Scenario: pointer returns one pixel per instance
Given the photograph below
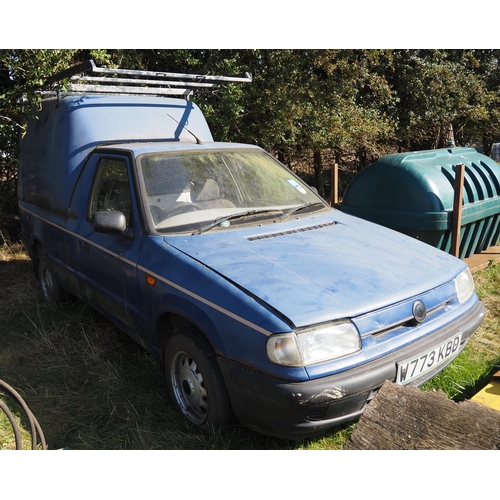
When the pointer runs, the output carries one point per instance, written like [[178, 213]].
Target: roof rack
[[87, 78]]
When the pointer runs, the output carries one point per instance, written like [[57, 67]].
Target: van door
[[108, 261]]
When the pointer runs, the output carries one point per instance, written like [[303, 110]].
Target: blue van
[[264, 303]]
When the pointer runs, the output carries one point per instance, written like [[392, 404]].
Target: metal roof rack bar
[[163, 74], [192, 85], [123, 89], [142, 82]]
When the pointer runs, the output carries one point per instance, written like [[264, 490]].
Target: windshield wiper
[[299, 208], [238, 215]]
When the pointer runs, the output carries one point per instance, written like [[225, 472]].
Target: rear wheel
[[49, 285], [195, 382]]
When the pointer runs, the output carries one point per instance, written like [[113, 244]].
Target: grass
[[473, 368], [91, 387]]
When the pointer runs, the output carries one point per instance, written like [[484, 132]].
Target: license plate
[[413, 368]]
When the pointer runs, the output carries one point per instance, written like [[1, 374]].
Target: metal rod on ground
[[335, 185], [457, 210]]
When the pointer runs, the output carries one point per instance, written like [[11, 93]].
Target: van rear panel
[[59, 141]]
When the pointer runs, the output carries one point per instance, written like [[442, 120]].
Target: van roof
[[139, 148]]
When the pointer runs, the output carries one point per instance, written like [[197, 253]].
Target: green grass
[[91, 387]]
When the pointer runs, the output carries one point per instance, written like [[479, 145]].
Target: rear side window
[[111, 188]]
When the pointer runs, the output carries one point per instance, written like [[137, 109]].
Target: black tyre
[[194, 381], [49, 285]]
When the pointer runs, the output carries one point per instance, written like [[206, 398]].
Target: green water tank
[[413, 193]]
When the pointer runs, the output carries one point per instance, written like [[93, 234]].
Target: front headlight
[[314, 345], [464, 285]]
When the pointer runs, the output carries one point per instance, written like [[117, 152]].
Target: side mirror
[[109, 222]]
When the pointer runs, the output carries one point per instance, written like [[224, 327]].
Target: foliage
[[22, 76], [439, 88], [309, 107]]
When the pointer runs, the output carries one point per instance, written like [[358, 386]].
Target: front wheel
[[194, 381]]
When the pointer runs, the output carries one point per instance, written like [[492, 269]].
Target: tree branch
[[12, 121]]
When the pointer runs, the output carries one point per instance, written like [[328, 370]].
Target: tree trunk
[[362, 161], [487, 145], [448, 136], [318, 168]]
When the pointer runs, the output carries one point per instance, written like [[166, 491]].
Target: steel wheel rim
[[189, 387]]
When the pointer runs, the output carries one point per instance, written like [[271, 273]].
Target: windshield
[[222, 188]]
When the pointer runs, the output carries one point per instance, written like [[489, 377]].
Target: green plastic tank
[[413, 193]]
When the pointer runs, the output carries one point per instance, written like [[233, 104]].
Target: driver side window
[[111, 189]]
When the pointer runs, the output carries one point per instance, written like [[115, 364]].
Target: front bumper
[[298, 410]]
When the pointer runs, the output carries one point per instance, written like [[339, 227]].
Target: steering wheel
[[157, 213], [180, 207]]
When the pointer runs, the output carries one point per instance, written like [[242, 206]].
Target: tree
[[484, 126], [22, 76], [302, 102], [436, 89], [22, 72]]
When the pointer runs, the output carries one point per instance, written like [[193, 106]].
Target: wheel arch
[[182, 314]]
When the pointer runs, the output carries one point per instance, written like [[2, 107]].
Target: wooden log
[[406, 418]]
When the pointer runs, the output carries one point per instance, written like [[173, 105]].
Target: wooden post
[[334, 185], [457, 210]]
